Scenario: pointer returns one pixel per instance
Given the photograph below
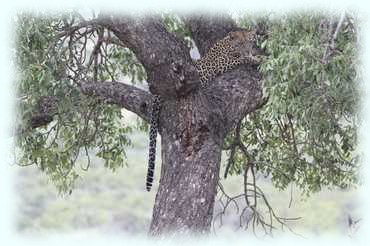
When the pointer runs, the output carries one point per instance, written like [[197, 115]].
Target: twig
[[331, 43]]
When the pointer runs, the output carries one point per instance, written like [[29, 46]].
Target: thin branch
[[233, 147], [68, 31], [330, 47], [339, 25], [256, 218], [291, 195], [293, 137]]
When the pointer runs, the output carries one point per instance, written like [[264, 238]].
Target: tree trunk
[[193, 129], [191, 156]]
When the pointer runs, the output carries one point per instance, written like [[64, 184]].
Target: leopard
[[236, 48]]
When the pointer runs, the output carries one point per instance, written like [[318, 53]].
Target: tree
[[292, 119]]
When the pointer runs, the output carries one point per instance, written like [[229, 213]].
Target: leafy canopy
[[305, 133]]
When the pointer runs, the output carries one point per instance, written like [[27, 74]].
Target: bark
[[190, 167], [191, 154], [206, 30], [127, 96], [45, 112], [166, 58]]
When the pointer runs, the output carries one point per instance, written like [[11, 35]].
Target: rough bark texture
[[191, 150], [166, 59], [203, 35], [127, 96], [190, 167], [193, 123]]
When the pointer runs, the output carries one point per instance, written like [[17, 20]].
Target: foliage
[[175, 25], [45, 67], [306, 132]]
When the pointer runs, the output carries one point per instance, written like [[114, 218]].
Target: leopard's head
[[244, 43]]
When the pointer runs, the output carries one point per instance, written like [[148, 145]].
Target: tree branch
[[165, 57], [207, 30], [339, 25], [127, 96], [47, 108], [330, 46]]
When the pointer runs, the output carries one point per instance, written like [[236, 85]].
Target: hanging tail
[[153, 131]]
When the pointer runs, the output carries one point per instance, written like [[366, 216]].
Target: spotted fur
[[153, 131], [236, 48]]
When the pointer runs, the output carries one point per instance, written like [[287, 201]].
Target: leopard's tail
[[153, 131]]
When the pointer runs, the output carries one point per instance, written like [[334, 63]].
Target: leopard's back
[[236, 48]]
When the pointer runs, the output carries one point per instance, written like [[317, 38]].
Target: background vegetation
[[115, 202]]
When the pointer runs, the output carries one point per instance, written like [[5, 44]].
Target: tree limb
[[207, 30], [165, 57], [339, 25], [127, 96], [330, 46]]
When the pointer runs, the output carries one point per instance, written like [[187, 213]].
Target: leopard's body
[[236, 48]]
